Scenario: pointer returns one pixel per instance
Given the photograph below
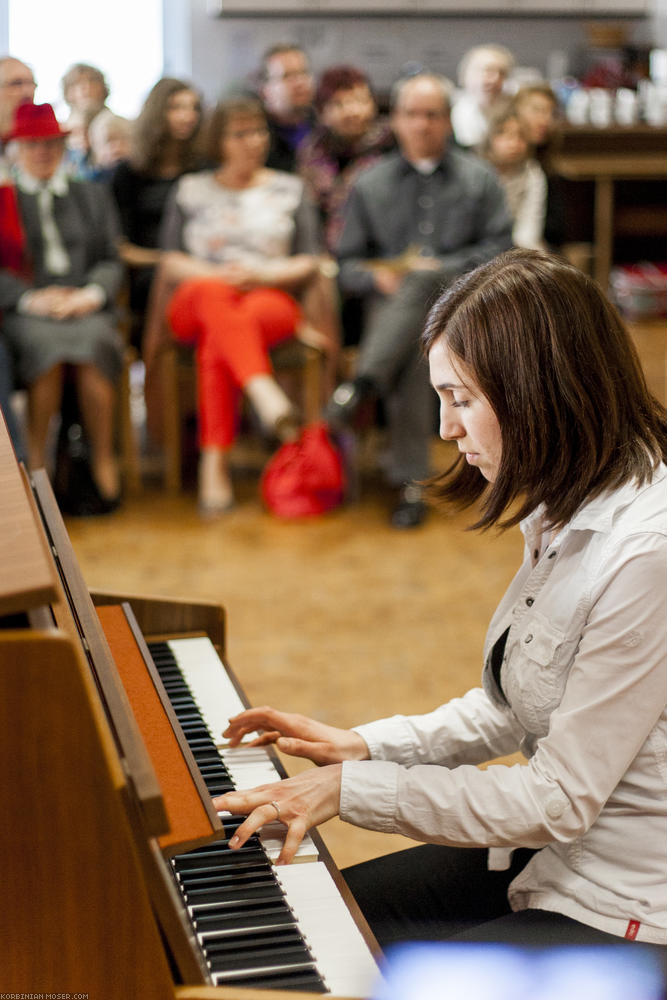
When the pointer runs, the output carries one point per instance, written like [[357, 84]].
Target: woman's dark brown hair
[[553, 358], [241, 106], [150, 134]]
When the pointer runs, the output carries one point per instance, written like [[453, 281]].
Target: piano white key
[[341, 954], [213, 691]]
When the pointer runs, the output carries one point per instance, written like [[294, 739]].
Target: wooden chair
[[298, 365]]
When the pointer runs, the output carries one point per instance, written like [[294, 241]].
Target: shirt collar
[[57, 185], [409, 168], [600, 512]]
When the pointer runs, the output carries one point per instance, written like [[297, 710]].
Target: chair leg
[[312, 385], [171, 416]]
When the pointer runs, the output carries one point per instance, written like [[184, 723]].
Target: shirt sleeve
[[307, 235], [528, 228], [493, 231], [173, 220], [615, 694], [354, 247]]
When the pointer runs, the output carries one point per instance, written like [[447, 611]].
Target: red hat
[[35, 121]]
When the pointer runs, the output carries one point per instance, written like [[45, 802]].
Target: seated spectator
[[17, 86], [286, 89], [348, 138], [539, 112], [507, 149], [414, 222], [482, 74], [109, 138], [60, 276], [85, 91], [164, 146], [244, 242]]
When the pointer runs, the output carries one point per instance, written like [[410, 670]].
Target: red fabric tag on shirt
[[631, 930]]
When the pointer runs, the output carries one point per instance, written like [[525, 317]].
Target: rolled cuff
[[369, 794]]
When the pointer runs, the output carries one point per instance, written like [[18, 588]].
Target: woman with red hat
[[59, 275]]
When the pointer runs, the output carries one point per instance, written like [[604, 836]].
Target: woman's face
[[485, 76], [245, 142], [508, 146], [86, 93], [183, 114], [40, 158], [348, 113], [466, 415], [538, 117]]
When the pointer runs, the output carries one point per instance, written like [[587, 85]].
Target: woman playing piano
[[542, 392]]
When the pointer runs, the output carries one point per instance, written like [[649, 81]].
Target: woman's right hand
[[297, 735]]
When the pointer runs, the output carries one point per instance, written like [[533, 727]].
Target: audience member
[[286, 90], [482, 74], [164, 146], [348, 138], [414, 221], [85, 91], [109, 139], [507, 149], [244, 242], [539, 112], [17, 86], [60, 276]]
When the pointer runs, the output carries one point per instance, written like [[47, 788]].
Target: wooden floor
[[340, 617]]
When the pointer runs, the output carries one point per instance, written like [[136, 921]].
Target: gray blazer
[[88, 224]]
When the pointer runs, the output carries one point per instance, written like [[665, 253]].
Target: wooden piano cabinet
[[76, 916]]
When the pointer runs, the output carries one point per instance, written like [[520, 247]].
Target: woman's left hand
[[301, 802]]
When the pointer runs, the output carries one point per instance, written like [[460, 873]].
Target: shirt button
[[555, 808], [536, 554], [425, 201], [425, 227], [529, 637], [552, 555], [530, 601]]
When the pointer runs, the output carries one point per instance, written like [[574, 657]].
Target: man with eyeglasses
[[17, 86], [286, 90]]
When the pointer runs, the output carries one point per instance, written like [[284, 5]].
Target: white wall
[[226, 50]]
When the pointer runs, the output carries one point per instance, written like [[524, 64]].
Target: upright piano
[[117, 879]]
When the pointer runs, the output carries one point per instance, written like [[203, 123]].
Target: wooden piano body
[[87, 826]]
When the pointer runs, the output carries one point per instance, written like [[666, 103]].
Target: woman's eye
[[459, 402]]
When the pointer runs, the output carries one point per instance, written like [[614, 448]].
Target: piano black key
[[231, 879], [259, 940], [265, 893], [289, 957], [243, 922], [304, 980]]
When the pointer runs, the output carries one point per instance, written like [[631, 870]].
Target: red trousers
[[232, 332]]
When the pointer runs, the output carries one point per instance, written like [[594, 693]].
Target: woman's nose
[[450, 426]]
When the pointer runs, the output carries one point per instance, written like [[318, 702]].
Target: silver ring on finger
[[277, 808]]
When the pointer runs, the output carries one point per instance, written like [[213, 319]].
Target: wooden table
[[605, 156]]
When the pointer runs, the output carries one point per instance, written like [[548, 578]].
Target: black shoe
[[410, 511], [346, 402]]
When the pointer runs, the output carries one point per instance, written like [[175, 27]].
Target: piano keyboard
[[258, 925]]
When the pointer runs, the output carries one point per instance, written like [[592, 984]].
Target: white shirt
[[469, 122], [526, 192], [585, 677]]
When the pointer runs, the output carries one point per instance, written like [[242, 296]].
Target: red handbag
[[304, 477]]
